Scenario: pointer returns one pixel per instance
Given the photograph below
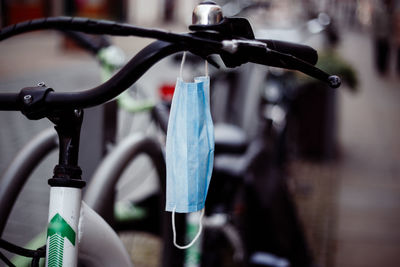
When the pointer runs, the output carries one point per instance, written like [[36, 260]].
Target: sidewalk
[[351, 207], [369, 196]]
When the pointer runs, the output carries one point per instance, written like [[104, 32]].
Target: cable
[[36, 259], [20, 250]]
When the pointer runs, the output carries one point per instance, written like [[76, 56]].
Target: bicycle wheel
[[21, 168], [273, 228], [111, 191]]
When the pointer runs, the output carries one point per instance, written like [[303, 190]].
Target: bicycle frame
[[70, 222], [64, 231], [64, 214], [31, 156], [81, 231]]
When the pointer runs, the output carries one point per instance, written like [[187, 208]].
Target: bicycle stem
[[68, 126]]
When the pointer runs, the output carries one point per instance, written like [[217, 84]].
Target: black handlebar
[[124, 78], [88, 43], [303, 52], [104, 27], [9, 101], [234, 52]]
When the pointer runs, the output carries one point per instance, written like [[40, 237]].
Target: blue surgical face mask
[[190, 146]]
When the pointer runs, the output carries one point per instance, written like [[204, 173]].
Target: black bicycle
[[230, 38]]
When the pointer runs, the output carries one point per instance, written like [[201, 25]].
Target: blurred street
[[352, 212], [369, 194], [363, 210]]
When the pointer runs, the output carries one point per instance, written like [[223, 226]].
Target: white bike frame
[[75, 232], [62, 229]]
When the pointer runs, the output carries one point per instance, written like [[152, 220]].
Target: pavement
[[369, 195], [364, 206]]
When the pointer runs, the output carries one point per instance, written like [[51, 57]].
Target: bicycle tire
[[272, 222], [20, 169], [101, 194]]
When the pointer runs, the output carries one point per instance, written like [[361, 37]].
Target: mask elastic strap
[[197, 235], [182, 63]]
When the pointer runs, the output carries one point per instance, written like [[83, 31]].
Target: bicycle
[[64, 110], [21, 168]]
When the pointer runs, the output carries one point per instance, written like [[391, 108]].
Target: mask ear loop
[[182, 63], [198, 232]]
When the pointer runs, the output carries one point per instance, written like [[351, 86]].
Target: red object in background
[[92, 9], [20, 11], [14, 11], [166, 91]]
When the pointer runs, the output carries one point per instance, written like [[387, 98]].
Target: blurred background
[[344, 170]]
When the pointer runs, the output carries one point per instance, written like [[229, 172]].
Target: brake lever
[[288, 61], [258, 52]]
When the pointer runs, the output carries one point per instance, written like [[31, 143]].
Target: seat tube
[[65, 193], [62, 229]]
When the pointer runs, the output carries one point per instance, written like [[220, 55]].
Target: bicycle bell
[[207, 13]]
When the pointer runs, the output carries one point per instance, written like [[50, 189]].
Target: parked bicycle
[[67, 216], [139, 217]]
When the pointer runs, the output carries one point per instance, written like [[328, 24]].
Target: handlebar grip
[[303, 52]]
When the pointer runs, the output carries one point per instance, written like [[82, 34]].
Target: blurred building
[[141, 12]]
